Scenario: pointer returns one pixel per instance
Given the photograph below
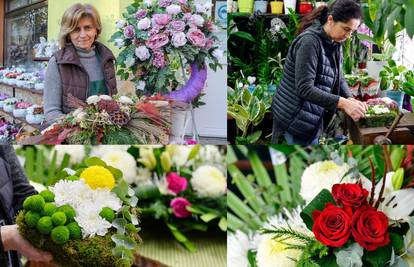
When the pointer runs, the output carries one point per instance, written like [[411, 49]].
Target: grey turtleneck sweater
[[53, 83]]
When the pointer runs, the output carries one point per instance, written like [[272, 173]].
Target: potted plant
[[260, 5], [276, 7], [353, 84], [305, 7], [289, 4], [369, 87], [245, 6], [392, 79]]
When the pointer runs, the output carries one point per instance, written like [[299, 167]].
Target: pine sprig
[[283, 232]]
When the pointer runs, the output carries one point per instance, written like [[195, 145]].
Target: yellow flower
[[147, 158], [98, 177]]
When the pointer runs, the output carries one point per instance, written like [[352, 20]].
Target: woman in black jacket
[[313, 86], [14, 189]]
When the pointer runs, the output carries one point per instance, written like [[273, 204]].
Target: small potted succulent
[[20, 109], [353, 84], [381, 112], [369, 87], [260, 5], [305, 7], [276, 7], [8, 104]]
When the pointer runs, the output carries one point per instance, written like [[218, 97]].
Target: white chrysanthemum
[[87, 204], [240, 244], [208, 181], [322, 175], [123, 161], [76, 153], [90, 222], [272, 253], [99, 151], [93, 99]]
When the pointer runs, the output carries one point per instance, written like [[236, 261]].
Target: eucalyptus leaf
[[349, 256], [123, 240]]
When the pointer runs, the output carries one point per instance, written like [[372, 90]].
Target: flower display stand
[[181, 115]]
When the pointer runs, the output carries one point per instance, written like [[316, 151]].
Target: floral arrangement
[[87, 218], [159, 38], [8, 131], [110, 120], [381, 112], [182, 187], [349, 220]]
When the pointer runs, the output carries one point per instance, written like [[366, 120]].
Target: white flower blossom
[[142, 53], [209, 181], [126, 100], [197, 20], [144, 24], [105, 97], [218, 53], [129, 62], [93, 99], [123, 161], [173, 9], [119, 42], [120, 23]]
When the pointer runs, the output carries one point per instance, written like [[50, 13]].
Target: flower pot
[[374, 68], [245, 6], [8, 108], [260, 6], [305, 8], [19, 112], [319, 4], [289, 4], [276, 7], [397, 96]]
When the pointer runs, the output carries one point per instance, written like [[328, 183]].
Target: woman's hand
[[354, 108], [12, 240]]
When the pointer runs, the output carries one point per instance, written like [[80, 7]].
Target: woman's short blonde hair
[[71, 18]]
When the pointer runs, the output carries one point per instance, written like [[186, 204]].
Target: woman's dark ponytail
[[341, 10]]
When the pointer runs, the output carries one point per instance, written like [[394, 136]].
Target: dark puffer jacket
[[311, 84], [14, 189]]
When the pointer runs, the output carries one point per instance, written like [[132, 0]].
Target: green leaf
[[147, 191], [208, 217], [95, 161], [117, 173], [246, 98], [378, 257], [194, 152], [223, 224], [244, 35], [122, 240], [408, 19], [397, 242], [181, 238], [119, 224], [318, 203]]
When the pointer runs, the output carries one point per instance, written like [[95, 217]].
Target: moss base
[[96, 251]]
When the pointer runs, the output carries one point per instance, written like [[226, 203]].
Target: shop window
[[25, 24]]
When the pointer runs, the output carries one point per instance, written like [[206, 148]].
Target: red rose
[[370, 228], [351, 195], [332, 226]]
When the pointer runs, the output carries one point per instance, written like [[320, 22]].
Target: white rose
[[208, 181], [144, 24], [173, 9], [93, 99], [120, 23], [322, 175], [200, 8], [217, 53], [129, 62], [142, 53], [197, 20], [119, 42], [179, 39], [123, 161], [105, 97], [179, 154], [125, 100]]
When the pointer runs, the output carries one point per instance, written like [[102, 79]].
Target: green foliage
[[392, 76], [318, 203]]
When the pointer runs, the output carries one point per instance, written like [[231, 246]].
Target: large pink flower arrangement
[[156, 37]]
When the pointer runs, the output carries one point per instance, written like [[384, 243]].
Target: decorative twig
[[371, 200], [387, 167]]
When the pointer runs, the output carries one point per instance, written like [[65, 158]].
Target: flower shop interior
[[378, 67], [29, 31]]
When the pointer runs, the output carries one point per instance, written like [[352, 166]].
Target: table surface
[[161, 246]]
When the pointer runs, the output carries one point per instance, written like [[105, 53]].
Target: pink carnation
[[196, 37], [179, 206], [176, 183], [157, 41]]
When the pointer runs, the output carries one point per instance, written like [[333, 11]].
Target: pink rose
[[129, 32], [177, 25], [187, 16], [178, 39], [209, 43], [157, 41], [179, 207], [161, 19], [176, 183], [196, 37], [210, 26]]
